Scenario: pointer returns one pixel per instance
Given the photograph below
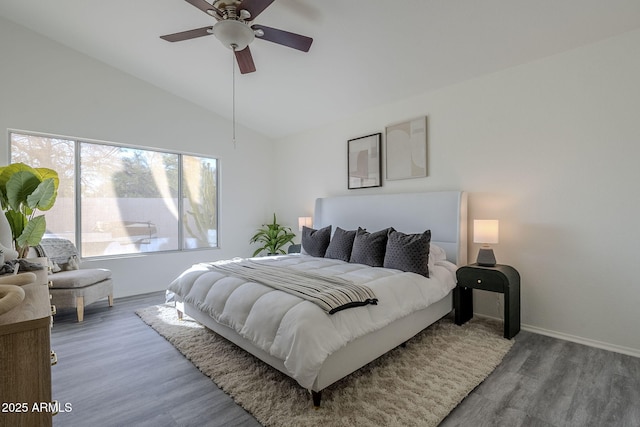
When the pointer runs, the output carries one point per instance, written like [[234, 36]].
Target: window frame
[[182, 247]]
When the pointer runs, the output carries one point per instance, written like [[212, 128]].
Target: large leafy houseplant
[[272, 237], [23, 192]]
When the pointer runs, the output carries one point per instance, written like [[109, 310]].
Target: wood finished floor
[[116, 371]]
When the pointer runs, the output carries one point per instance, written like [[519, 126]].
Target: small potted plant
[[272, 237], [23, 192]]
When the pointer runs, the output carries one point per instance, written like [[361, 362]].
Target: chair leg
[[80, 308], [110, 300]]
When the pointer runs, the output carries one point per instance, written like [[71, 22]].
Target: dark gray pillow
[[341, 244], [315, 242], [408, 252], [369, 248]]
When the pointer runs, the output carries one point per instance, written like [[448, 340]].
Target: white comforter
[[297, 331]]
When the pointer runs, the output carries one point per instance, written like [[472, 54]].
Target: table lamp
[[485, 231], [304, 221]]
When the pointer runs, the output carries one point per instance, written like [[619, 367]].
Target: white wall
[[550, 149], [46, 87]]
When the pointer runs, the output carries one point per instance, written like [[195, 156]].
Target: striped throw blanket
[[330, 293]]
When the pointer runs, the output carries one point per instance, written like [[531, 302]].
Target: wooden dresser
[[26, 359]]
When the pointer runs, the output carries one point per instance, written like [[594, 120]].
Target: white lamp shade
[[233, 34], [304, 221], [485, 230]]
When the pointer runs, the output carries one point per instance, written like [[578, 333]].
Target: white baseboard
[[635, 352]]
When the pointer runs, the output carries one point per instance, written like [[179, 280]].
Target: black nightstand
[[501, 278]]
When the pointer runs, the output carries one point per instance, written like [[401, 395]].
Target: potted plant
[[23, 192], [272, 237]]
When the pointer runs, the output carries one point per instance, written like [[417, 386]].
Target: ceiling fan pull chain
[[233, 102]]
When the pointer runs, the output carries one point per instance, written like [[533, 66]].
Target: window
[[59, 155], [201, 218], [116, 200]]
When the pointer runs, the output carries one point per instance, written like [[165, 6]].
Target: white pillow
[[437, 253]]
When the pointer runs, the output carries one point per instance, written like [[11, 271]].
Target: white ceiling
[[365, 52]]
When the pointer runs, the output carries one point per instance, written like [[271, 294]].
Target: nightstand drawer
[[478, 279]]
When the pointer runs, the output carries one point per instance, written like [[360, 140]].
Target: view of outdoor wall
[[129, 197], [200, 220]]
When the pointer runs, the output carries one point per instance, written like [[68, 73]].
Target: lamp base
[[486, 258]]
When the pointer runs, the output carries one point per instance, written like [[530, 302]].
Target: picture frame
[[406, 149], [364, 162]]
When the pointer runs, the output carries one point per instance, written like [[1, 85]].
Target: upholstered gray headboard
[[442, 212]]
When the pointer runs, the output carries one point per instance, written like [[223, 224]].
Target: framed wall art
[[364, 161], [406, 149]]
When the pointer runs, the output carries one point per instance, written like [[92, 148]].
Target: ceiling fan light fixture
[[233, 34]]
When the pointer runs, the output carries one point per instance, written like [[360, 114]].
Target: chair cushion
[[68, 298], [79, 278]]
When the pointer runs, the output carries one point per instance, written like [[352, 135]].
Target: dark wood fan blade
[[285, 38], [245, 60], [255, 7], [205, 7], [186, 35]]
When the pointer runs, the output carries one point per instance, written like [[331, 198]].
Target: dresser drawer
[[476, 278]]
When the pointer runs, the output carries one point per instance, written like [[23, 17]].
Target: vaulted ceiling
[[365, 52]]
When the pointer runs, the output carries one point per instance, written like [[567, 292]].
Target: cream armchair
[[72, 286]]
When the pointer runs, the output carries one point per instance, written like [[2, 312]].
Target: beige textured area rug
[[418, 384]]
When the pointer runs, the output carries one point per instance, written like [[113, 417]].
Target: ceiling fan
[[235, 30]]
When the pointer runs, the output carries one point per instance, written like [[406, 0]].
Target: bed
[[208, 295]]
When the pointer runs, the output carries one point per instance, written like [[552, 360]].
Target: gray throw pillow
[[369, 248], [341, 244], [408, 252], [315, 242]]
